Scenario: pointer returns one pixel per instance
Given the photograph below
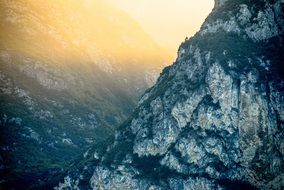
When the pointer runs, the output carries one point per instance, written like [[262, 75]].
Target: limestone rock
[[214, 119]]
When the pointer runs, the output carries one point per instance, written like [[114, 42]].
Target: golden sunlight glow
[[145, 31], [167, 21]]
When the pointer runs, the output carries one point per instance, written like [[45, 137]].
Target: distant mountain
[[70, 72], [214, 119]]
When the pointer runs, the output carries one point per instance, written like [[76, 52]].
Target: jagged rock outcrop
[[215, 118]]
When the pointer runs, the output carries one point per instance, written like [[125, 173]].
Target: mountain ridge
[[213, 120], [61, 87]]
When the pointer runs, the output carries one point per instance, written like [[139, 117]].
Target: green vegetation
[[243, 52], [231, 8]]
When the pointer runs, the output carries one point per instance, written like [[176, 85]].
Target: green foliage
[[243, 52], [28, 160], [231, 8]]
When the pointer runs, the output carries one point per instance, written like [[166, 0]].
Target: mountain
[[70, 72], [213, 120]]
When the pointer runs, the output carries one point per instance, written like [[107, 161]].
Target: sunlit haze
[[167, 21], [144, 31]]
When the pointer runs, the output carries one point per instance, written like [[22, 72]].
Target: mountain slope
[[214, 119], [70, 72]]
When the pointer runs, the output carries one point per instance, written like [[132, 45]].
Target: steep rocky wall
[[214, 120]]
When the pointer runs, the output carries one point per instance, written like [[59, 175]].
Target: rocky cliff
[[66, 81], [214, 119]]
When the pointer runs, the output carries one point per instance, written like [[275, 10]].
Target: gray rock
[[214, 120]]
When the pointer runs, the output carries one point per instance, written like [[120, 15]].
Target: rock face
[[70, 74], [214, 120]]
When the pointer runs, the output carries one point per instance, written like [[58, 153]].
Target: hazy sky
[[167, 21]]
